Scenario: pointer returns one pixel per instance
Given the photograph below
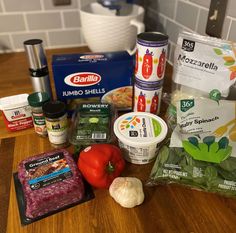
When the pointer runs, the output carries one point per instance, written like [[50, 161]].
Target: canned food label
[[150, 62], [57, 131], [147, 99]]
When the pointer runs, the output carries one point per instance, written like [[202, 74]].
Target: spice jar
[[36, 101], [56, 123]]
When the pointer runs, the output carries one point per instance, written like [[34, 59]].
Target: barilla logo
[[82, 79], [92, 56]]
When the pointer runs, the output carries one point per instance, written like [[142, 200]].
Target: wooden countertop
[[167, 208]]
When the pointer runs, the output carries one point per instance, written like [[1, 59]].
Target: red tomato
[[141, 105], [161, 64], [154, 104], [147, 65]]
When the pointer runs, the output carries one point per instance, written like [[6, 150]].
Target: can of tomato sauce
[[150, 62], [151, 56], [147, 98]]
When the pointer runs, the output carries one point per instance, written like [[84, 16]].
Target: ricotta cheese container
[[139, 134]]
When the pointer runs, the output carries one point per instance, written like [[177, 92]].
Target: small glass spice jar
[[36, 101], [56, 123]]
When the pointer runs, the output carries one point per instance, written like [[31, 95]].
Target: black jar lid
[[37, 99], [54, 109], [152, 37]]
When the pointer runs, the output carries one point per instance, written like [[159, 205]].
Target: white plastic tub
[[139, 134], [16, 112]]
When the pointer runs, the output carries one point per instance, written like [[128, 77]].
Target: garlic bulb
[[127, 191]]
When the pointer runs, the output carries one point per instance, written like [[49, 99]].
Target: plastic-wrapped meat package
[[50, 182]]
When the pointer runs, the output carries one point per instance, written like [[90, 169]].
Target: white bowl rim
[[140, 8]]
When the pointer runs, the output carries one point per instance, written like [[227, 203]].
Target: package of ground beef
[[50, 181]]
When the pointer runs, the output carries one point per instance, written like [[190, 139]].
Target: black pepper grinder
[[38, 67]]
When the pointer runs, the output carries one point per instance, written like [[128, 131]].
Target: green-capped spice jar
[[56, 123], [36, 101]]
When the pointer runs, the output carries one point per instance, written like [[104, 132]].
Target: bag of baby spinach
[[201, 152]]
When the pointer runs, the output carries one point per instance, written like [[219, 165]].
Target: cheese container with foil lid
[[139, 134], [16, 112]]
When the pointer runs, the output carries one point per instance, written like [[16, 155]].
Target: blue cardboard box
[[91, 77]]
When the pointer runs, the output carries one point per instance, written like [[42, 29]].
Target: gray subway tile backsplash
[[172, 53], [85, 2], [187, 15], [60, 25], [154, 22], [166, 7], [65, 37], [48, 5], [204, 3], [192, 15], [225, 28], [22, 5], [12, 23], [18, 39], [72, 19], [201, 28], [232, 32], [5, 44], [39, 21], [231, 10], [172, 30]]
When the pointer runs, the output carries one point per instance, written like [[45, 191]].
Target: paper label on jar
[[57, 131], [39, 123]]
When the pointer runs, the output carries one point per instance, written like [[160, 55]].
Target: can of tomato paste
[[150, 62]]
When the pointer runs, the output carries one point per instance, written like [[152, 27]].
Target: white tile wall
[[23, 5], [57, 26], [190, 15], [44, 21], [4, 43], [12, 23], [71, 19]]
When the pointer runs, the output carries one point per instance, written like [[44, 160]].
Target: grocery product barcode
[[99, 136]]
